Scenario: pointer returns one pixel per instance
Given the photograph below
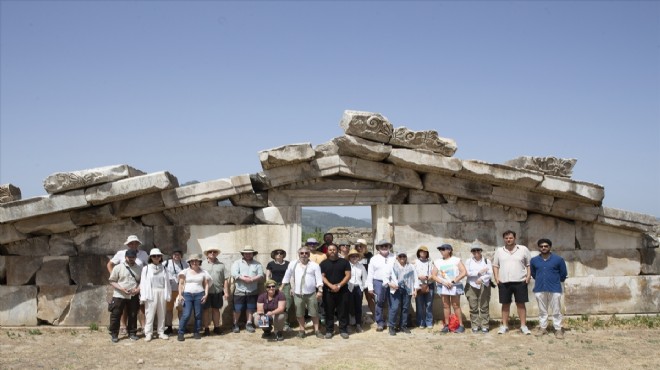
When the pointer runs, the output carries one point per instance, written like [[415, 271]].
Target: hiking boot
[[525, 330], [115, 339], [343, 335], [266, 334], [168, 331], [197, 336], [461, 329], [207, 332], [540, 332], [405, 330], [358, 328], [164, 336], [249, 327], [503, 330], [217, 331], [328, 335], [180, 337], [392, 331], [147, 338], [559, 334], [445, 329], [235, 329], [279, 336]]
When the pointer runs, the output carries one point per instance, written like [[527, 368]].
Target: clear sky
[[198, 88]]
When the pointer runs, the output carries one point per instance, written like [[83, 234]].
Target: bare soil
[[82, 348]]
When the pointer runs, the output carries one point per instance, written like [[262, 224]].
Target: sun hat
[[206, 252], [311, 241], [446, 246], [353, 251], [361, 241], [422, 248], [194, 257], [401, 253], [155, 252], [383, 242], [132, 238], [248, 249], [272, 254]]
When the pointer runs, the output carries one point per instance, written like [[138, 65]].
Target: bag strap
[[131, 272]]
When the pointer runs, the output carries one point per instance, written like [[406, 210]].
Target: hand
[[448, 284], [479, 281], [527, 279], [422, 277], [204, 298], [394, 286]]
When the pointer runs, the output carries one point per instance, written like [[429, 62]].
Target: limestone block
[[367, 125], [622, 262], [64, 181], [426, 140], [498, 173], [254, 200], [522, 199], [650, 261], [612, 295], [89, 305], [46, 224], [171, 238], [354, 146], [53, 271], [584, 235], [21, 270], [210, 216], [424, 161], [566, 188], [424, 197], [562, 167], [608, 237], [277, 215], [9, 234], [561, 233], [9, 193], [575, 210], [18, 305], [209, 190], [3, 270], [460, 235], [469, 210], [89, 270], [333, 192], [155, 219], [37, 246], [44, 205], [130, 187], [61, 245], [628, 220], [326, 150], [93, 215], [367, 170], [285, 155], [651, 240], [107, 239], [279, 176], [455, 186], [139, 206], [414, 214], [54, 302]]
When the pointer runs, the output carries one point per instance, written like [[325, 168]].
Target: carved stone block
[[427, 140], [93, 215], [286, 155], [107, 239], [562, 167], [64, 181], [9, 193], [650, 261], [367, 125], [424, 197], [612, 295], [9, 234], [566, 188], [89, 270], [561, 232], [254, 200], [37, 246], [46, 224], [499, 174], [424, 161], [171, 238], [61, 245], [139, 206], [354, 146], [18, 305], [130, 187]]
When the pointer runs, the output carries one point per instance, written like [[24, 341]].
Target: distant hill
[[323, 221]]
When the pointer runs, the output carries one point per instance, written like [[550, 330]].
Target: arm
[[364, 275], [533, 269], [370, 276], [206, 281], [269, 273], [110, 266], [225, 288], [260, 274], [281, 305], [260, 308], [461, 272], [563, 272], [496, 274]]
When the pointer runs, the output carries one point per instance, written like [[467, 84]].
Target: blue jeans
[[424, 308], [382, 294], [400, 299], [191, 301]]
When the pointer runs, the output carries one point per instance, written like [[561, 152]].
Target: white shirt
[[294, 274], [474, 267], [380, 268], [120, 257], [358, 277], [194, 282], [424, 268]]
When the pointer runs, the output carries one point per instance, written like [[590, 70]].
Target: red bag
[[453, 322]]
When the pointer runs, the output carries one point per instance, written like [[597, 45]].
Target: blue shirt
[[548, 274]]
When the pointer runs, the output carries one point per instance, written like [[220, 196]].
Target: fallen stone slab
[[54, 302], [89, 305], [612, 295], [286, 155], [500, 174], [367, 125], [562, 167], [427, 140], [131, 187], [46, 224], [209, 190], [18, 305], [9, 193], [354, 146], [53, 271], [424, 161], [44, 205], [21, 270], [64, 181]]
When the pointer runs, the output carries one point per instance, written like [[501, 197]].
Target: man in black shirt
[[336, 273]]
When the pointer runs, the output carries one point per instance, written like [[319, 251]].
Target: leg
[[371, 303], [456, 306], [331, 301], [472, 295], [187, 312], [380, 302], [505, 314], [160, 311], [484, 307], [446, 309], [405, 308], [197, 302], [395, 303], [429, 306], [133, 309], [555, 307], [115, 315], [150, 312], [420, 314], [357, 308], [342, 310], [542, 301]]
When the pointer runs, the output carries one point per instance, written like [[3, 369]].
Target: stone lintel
[[9, 193], [337, 197], [500, 174], [462, 188], [612, 295], [93, 215], [43, 205], [131, 187], [426, 140], [209, 190], [567, 188], [286, 155], [424, 161], [210, 216], [522, 199], [46, 224], [254, 200], [575, 210], [367, 170], [65, 181], [138, 206], [367, 125], [354, 146]]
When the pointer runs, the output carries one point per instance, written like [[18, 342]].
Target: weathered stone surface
[[89, 305], [651, 240], [468, 210], [622, 262], [326, 150], [424, 161], [8, 234], [47, 224], [354, 146], [427, 140], [459, 187], [64, 181], [37, 246], [210, 216], [54, 302], [562, 167], [650, 261], [284, 175], [367, 170], [566, 188], [89, 270], [627, 220], [107, 239], [500, 174], [561, 233], [9, 193], [460, 235], [131, 187], [209, 190], [277, 215], [424, 197], [53, 271], [93, 215], [155, 219], [584, 236], [61, 245], [139, 206], [367, 125], [608, 237], [44, 205], [254, 200], [286, 155], [21, 270], [3, 270], [522, 199], [574, 210], [333, 192], [612, 295], [171, 238], [18, 305]]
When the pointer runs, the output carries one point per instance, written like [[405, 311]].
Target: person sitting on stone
[[271, 308]]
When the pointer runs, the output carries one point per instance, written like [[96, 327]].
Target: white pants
[[549, 301], [156, 307]]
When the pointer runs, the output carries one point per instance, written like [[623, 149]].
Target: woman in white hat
[[154, 293], [193, 290]]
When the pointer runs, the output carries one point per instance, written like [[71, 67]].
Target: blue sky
[[198, 88]]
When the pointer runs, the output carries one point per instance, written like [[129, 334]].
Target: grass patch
[[94, 326], [34, 332], [585, 322]]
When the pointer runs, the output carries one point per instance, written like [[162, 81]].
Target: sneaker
[[168, 331], [197, 336], [525, 330], [115, 339], [279, 336], [503, 330], [540, 332], [328, 335], [122, 331], [133, 337], [559, 334], [445, 329], [344, 335], [358, 328], [484, 330], [405, 330], [147, 338], [392, 331], [249, 328], [180, 337], [235, 329], [207, 332], [164, 336], [217, 331], [319, 335], [461, 329], [475, 330], [379, 328], [140, 331]]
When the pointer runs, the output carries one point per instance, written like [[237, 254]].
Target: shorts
[[243, 301], [213, 300], [517, 288], [306, 301]]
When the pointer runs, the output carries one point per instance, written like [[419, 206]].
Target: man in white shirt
[[305, 277], [380, 268]]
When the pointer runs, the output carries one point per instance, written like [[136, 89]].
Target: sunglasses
[[544, 246], [157, 255], [304, 253], [195, 262], [271, 287], [276, 253]]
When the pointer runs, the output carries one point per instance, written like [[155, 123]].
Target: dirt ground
[[82, 348]]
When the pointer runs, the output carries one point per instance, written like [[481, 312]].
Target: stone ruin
[[54, 248]]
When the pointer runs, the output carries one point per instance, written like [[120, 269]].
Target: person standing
[[403, 284], [316, 255], [477, 289], [378, 274], [275, 270], [512, 274], [426, 290], [448, 271], [356, 285], [549, 271], [328, 239], [336, 273], [193, 292], [218, 290], [173, 266], [125, 279], [155, 292], [343, 248], [247, 273], [365, 257]]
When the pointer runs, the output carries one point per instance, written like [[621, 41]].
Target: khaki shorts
[[306, 301]]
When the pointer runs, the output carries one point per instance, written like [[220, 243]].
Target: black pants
[[336, 301], [133, 307]]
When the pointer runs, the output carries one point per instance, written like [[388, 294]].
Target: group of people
[[326, 284]]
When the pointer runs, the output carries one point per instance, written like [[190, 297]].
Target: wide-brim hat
[[206, 252], [311, 241], [194, 257], [155, 252], [353, 251], [132, 238], [272, 254], [248, 249], [361, 241], [383, 242], [423, 248]]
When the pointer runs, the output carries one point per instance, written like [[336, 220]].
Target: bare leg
[[446, 309], [505, 314], [456, 305], [522, 312]]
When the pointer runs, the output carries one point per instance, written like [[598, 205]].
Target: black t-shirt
[[335, 271], [277, 270]]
